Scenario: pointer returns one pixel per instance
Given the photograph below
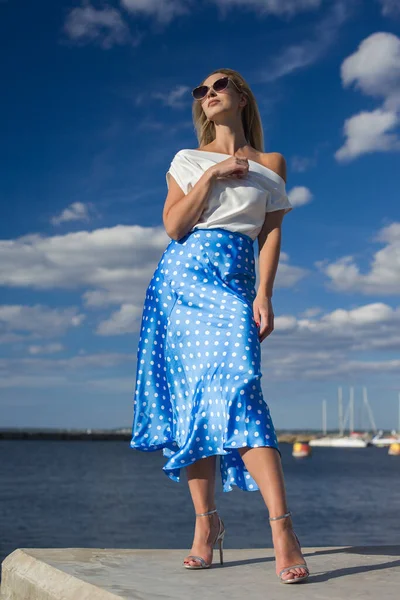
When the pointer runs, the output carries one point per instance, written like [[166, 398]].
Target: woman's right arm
[[182, 211]]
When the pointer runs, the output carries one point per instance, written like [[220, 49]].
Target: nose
[[211, 95]]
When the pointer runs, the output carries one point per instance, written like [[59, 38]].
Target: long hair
[[205, 129]]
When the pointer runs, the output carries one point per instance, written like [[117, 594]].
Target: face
[[214, 102]]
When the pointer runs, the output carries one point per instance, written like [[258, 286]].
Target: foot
[[206, 531], [287, 550]]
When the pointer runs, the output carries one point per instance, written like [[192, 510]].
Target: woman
[[198, 390]]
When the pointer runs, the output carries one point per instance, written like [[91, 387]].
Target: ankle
[[277, 530], [207, 522], [207, 512], [281, 524]]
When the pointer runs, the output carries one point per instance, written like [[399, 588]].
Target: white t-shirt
[[233, 204]]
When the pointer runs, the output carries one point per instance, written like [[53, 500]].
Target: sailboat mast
[[351, 426], [340, 408], [398, 427], [369, 411], [324, 417]]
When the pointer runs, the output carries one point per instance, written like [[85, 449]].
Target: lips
[[212, 102]]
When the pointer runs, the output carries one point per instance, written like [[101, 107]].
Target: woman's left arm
[[269, 246]]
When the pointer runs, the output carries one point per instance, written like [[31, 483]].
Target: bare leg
[[201, 480], [264, 465]]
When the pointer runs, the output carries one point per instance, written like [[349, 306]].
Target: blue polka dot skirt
[[198, 381]]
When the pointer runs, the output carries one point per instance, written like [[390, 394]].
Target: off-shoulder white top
[[233, 204]]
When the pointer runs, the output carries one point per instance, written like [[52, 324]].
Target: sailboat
[[353, 439], [380, 440]]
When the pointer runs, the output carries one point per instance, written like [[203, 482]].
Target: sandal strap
[[206, 513], [280, 517], [302, 566], [199, 558]]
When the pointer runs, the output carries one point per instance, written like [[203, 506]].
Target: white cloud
[[111, 266], [125, 320], [128, 317], [105, 26], [369, 132], [122, 385], [45, 349], [314, 346], [344, 322], [77, 211], [10, 337], [300, 195], [312, 312], [75, 371], [329, 346], [383, 276], [163, 10], [287, 275], [38, 319], [166, 10], [370, 313], [112, 261], [176, 98], [312, 49], [302, 163], [374, 69], [268, 7], [34, 381], [58, 365], [390, 7]]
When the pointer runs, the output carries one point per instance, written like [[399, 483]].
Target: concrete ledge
[[364, 572], [27, 575]]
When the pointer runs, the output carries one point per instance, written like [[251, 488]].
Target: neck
[[228, 139]]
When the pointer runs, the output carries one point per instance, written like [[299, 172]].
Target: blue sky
[[96, 101]]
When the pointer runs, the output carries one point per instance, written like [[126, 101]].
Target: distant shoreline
[[287, 436]]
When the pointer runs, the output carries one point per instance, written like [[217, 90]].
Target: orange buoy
[[301, 449], [394, 449]]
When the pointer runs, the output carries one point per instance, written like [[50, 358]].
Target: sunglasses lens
[[221, 84], [199, 92]]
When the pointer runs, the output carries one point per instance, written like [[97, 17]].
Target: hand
[[233, 166], [263, 315]]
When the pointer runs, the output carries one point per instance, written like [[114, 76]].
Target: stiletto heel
[[302, 566], [219, 538], [221, 552]]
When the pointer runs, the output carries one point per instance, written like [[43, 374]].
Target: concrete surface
[[367, 572]]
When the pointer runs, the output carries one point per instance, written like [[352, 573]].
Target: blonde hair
[[251, 120]]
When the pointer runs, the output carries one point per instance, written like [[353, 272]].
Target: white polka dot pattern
[[198, 390]]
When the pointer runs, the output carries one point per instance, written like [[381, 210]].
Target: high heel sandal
[[303, 566], [219, 539]]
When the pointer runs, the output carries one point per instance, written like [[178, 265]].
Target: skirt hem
[[226, 487]]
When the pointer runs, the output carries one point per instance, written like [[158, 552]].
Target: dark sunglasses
[[201, 91]]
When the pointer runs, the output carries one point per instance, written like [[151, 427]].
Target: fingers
[[266, 328], [241, 167]]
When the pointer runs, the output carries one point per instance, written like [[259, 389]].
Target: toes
[[294, 573], [192, 562], [289, 575]]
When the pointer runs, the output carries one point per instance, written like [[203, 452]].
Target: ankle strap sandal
[[219, 538], [301, 566]]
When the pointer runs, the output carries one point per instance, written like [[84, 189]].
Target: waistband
[[203, 232]]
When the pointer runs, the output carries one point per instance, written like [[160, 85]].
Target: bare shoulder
[[275, 161]]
